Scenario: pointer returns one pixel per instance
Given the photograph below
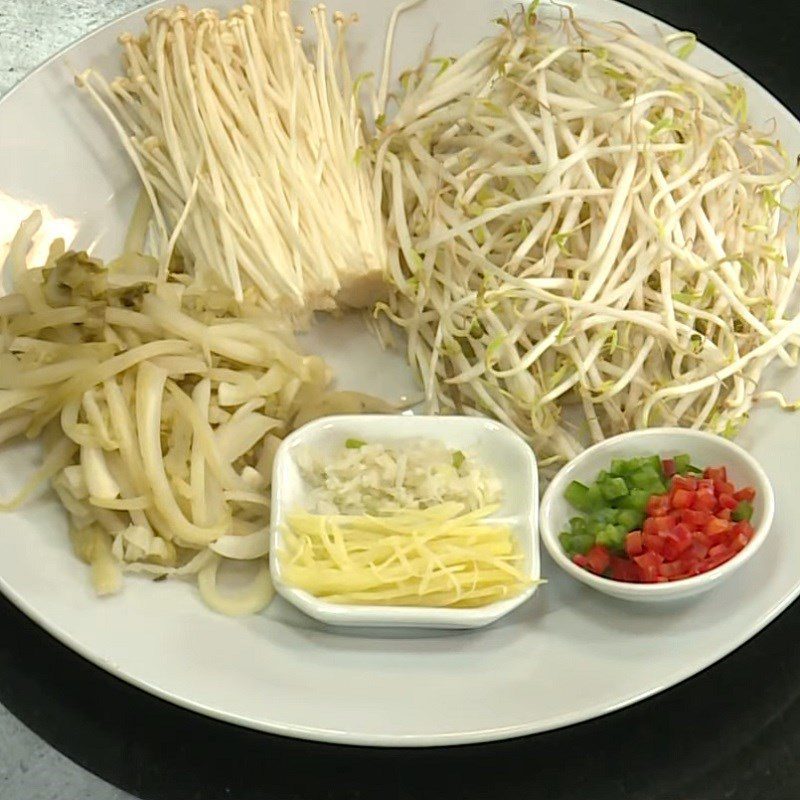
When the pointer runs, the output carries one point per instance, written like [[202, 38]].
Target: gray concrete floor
[[32, 770]]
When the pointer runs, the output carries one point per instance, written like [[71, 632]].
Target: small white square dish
[[493, 444]]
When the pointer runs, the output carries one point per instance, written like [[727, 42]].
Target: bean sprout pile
[[580, 218]]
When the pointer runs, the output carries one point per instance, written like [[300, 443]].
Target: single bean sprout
[[579, 218]]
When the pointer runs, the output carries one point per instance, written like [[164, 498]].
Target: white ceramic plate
[[566, 656]]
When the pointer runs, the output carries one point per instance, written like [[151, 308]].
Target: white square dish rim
[[388, 428]]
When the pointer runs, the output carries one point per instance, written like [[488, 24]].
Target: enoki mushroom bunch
[[250, 152]]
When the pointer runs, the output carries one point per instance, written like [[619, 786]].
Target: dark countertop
[[731, 732]]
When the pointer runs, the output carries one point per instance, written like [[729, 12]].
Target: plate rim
[[330, 735]]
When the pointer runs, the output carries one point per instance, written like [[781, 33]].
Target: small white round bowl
[[706, 450]]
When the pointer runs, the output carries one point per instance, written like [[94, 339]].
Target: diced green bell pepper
[[636, 500], [645, 477], [612, 536], [577, 495], [577, 525], [576, 542], [619, 467], [613, 488], [683, 465], [630, 519], [582, 543], [743, 511]]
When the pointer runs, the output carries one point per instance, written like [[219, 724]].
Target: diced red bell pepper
[[739, 541], [715, 473], [681, 532], [634, 544], [657, 505], [677, 541], [623, 569], [744, 528], [723, 487], [657, 525], [598, 558], [683, 498], [702, 538], [727, 501], [712, 563], [671, 569], [653, 543], [704, 501], [649, 563], [684, 482], [715, 526], [673, 549], [698, 551], [696, 519]]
